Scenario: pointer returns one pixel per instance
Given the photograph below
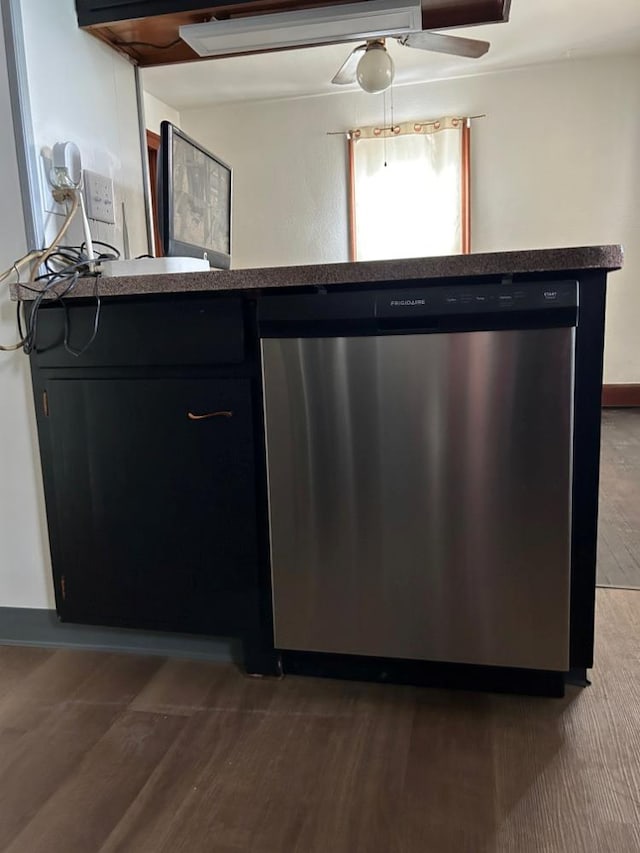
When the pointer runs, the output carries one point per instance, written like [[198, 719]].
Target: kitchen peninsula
[[383, 470]]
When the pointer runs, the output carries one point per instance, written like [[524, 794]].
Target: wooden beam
[[443, 14], [154, 39]]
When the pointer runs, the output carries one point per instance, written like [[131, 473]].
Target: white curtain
[[408, 192]]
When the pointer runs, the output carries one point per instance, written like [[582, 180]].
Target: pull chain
[[384, 125], [393, 122]]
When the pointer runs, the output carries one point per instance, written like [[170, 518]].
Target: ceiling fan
[[371, 66]]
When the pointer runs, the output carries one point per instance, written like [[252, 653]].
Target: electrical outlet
[[48, 202], [98, 195]]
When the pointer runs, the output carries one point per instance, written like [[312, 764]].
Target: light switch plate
[[98, 196]]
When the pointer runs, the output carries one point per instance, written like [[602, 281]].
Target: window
[[410, 190]]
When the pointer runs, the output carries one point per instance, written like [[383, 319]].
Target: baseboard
[[620, 396], [23, 626]]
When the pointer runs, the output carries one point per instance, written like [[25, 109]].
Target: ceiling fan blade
[[439, 43], [347, 72]]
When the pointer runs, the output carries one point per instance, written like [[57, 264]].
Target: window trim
[[351, 143]]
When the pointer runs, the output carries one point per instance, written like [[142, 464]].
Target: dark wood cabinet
[[156, 510], [152, 469]]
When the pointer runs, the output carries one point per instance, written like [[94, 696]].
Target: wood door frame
[[153, 148]]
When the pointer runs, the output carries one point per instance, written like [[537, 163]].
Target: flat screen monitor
[[194, 199]]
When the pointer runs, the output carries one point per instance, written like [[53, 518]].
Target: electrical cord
[[69, 255], [32, 322], [71, 275], [53, 246], [63, 267], [112, 255], [40, 258], [88, 241], [147, 44], [15, 267], [61, 258], [58, 285], [96, 322]]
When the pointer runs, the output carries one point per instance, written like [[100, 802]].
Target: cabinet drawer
[[194, 331]]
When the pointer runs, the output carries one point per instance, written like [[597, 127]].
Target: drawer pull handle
[[206, 417]]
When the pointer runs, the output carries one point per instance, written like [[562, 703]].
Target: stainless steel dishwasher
[[419, 454]]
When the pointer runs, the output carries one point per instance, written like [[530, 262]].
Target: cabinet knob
[[208, 415]]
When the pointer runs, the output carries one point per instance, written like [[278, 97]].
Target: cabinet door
[[152, 502]]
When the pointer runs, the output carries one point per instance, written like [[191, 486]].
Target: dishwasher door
[[420, 495]]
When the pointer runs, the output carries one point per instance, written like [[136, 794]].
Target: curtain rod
[[390, 127]]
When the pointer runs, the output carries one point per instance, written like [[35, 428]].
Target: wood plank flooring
[[619, 527], [128, 754]]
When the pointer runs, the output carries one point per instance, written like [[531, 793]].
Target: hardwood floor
[[130, 754], [619, 528], [115, 753]]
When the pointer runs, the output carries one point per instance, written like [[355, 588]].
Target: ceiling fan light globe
[[376, 69]]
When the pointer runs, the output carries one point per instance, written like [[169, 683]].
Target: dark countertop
[[577, 259]]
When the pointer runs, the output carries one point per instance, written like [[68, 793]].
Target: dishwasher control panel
[[475, 299], [429, 309]]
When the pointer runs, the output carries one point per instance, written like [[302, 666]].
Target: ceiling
[[538, 31]]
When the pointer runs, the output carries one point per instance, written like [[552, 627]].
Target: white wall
[[156, 111], [289, 199], [555, 163], [83, 91], [24, 557]]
